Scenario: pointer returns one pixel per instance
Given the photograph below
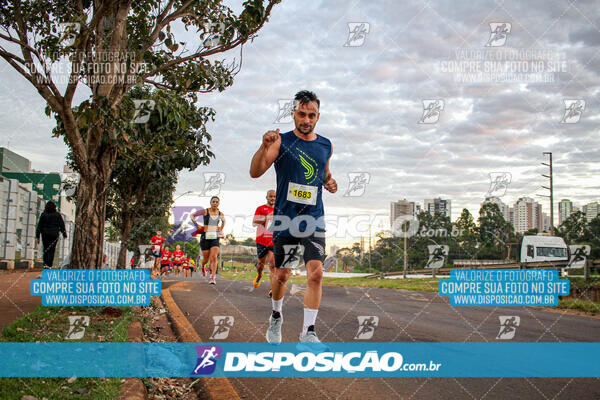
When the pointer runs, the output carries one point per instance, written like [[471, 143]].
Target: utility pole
[[370, 271], [551, 189], [405, 255]]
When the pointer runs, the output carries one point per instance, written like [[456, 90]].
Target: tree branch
[[215, 50]]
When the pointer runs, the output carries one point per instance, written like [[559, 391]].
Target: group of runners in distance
[[301, 160], [166, 261]]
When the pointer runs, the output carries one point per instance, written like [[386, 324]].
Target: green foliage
[[145, 229], [112, 47], [191, 249]]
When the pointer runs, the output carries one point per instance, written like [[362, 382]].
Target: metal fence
[[20, 210]]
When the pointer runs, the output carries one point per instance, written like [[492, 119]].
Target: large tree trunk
[[127, 224], [88, 238]]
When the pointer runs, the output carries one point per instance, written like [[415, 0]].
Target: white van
[[543, 248]]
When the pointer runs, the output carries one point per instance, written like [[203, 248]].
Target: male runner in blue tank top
[[301, 159]]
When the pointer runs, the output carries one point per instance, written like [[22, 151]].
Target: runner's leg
[[205, 255], [312, 296], [213, 257]]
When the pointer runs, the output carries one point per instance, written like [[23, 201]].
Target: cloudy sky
[[373, 85]]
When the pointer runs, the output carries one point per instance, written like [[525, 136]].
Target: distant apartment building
[[504, 208], [591, 211], [13, 162], [565, 208], [527, 215], [546, 223], [438, 205], [401, 208]]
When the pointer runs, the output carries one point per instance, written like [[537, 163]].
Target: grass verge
[[51, 324], [586, 306], [423, 285]]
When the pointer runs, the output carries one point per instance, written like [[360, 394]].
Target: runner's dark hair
[[306, 96]]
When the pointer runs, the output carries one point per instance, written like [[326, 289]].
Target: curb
[[134, 388], [216, 388]]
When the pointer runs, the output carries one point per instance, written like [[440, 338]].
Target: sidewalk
[[15, 300]]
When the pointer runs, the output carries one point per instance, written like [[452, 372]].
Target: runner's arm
[[220, 229], [259, 219], [266, 154], [328, 182]]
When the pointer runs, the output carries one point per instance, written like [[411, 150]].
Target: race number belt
[[211, 235], [303, 194]]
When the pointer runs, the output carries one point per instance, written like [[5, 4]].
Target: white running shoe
[[311, 343], [274, 331]]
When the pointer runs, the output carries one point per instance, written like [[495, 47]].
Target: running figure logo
[[207, 359], [366, 327], [573, 111], [329, 263], [508, 327], [498, 34], [284, 116], [143, 109], [579, 255], [223, 325], [437, 256], [292, 255], [213, 35], [499, 182], [358, 182], [432, 108], [68, 33], [212, 183], [69, 182], [77, 325], [357, 34]]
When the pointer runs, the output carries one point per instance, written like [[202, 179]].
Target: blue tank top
[[300, 168]]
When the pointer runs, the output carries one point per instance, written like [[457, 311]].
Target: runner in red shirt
[[178, 257], [187, 267], [165, 261], [263, 217], [157, 246]]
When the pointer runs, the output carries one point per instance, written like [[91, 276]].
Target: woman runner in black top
[[213, 221]]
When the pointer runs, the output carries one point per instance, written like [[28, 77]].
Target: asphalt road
[[404, 316]]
